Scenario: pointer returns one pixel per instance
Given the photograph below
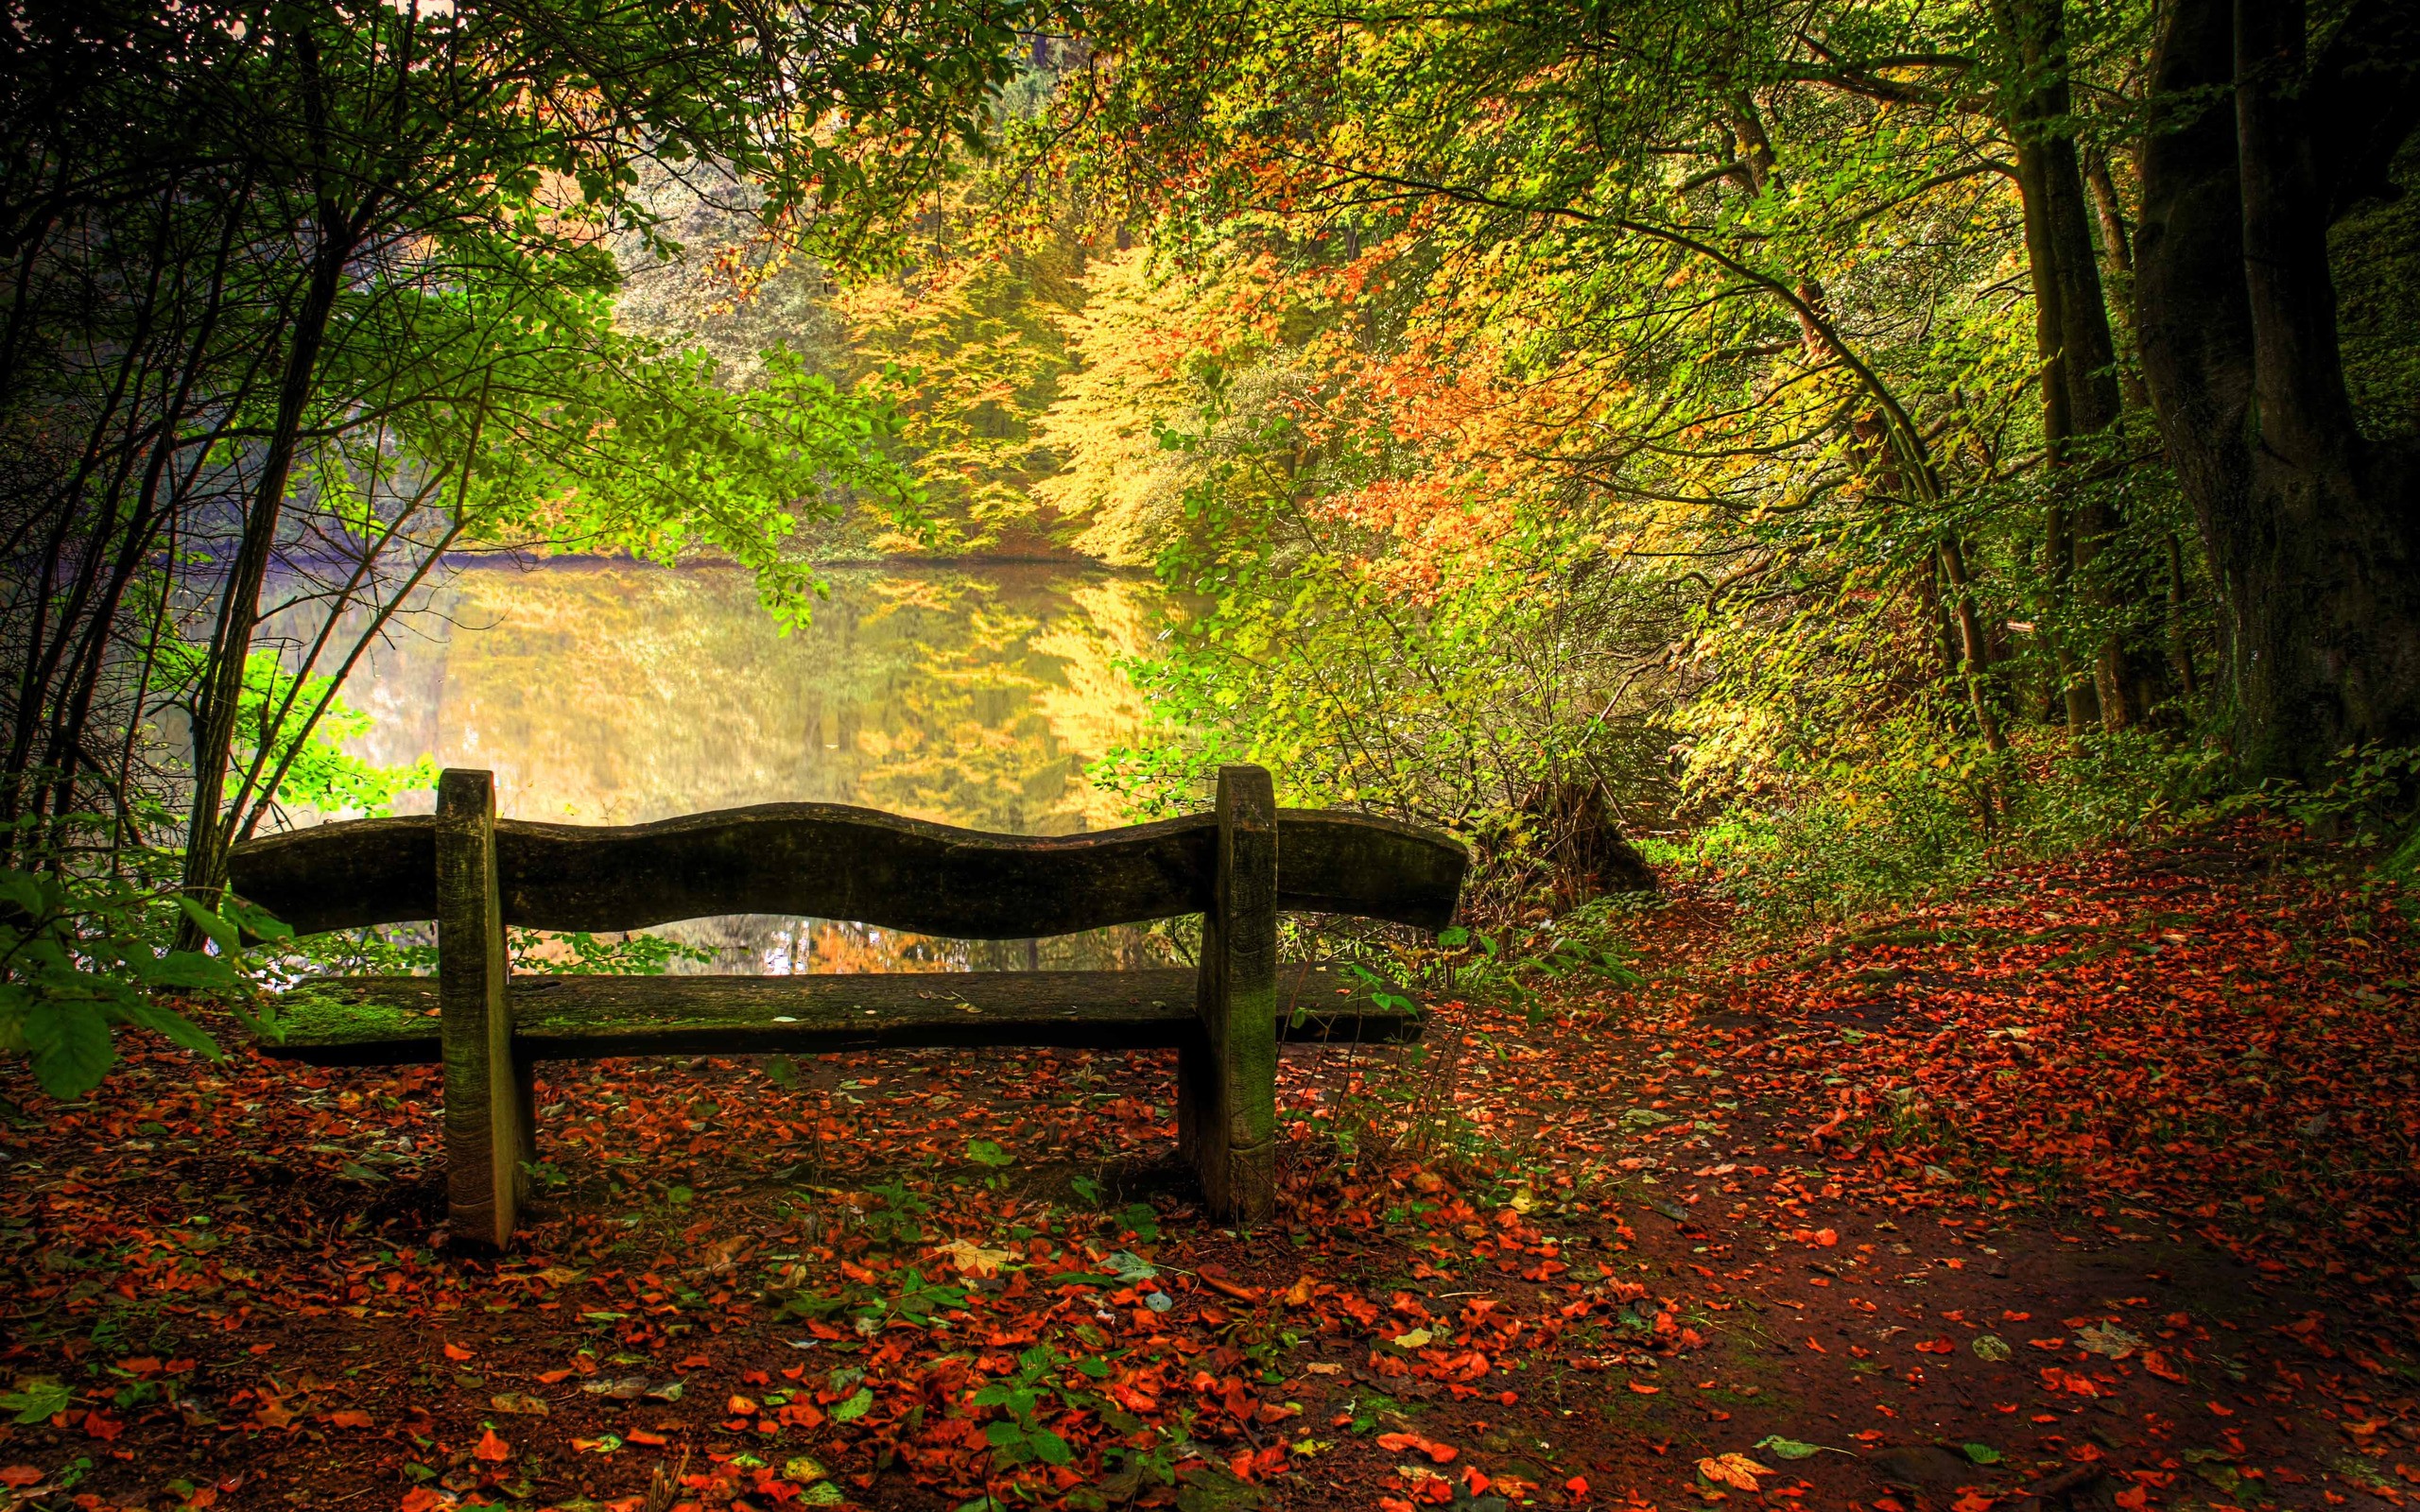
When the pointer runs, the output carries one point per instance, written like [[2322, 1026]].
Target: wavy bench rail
[[393, 1021], [834, 860]]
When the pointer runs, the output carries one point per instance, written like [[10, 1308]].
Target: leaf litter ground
[[2092, 1189]]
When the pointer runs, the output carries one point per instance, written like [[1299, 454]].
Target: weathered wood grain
[[486, 1137], [1227, 1078], [393, 1020], [832, 861]]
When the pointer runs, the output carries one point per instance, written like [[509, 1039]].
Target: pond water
[[616, 693]]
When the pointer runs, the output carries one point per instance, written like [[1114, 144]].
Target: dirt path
[[2095, 1187]]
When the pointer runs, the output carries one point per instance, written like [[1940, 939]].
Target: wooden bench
[[473, 874]]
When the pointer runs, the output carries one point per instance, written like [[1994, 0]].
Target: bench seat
[[393, 1020]]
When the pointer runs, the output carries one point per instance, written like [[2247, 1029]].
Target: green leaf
[[1991, 1346], [1048, 1447], [255, 921], [855, 1408], [71, 1048], [1788, 1447], [221, 933], [38, 1403], [983, 1152], [1982, 1454]]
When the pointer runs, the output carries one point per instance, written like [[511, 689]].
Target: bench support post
[[1227, 1079], [487, 1101]]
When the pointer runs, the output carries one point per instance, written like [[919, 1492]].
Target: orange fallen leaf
[[1736, 1470], [456, 1352], [491, 1448], [550, 1378], [1644, 1389], [349, 1417], [19, 1475], [1227, 1288], [1437, 1453]]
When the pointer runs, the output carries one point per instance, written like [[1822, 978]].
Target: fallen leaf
[[491, 1448], [2108, 1340], [974, 1260], [1437, 1453], [520, 1404], [1736, 1470]]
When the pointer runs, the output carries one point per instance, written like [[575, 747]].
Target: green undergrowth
[[1923, 821]]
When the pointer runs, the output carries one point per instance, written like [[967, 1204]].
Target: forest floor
[[2094, 1186]]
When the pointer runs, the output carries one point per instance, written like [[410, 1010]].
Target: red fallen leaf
[[1826, 1238], [2132, 1497], [456, 1352], [349, 1417], [640, 1435], [1971, 1501], [491, 1448], [552, 1378], [1437, 1452], [1935, 1346], [19, 1475], [1644, 1389], [1227, 1288], [102, 1426], [2157, 1363], [419, 1499]]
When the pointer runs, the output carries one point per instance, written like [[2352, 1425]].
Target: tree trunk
[[206, 836], [2080, 393], [2309, 526]]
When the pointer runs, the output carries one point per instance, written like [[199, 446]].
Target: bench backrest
[[832, 861]]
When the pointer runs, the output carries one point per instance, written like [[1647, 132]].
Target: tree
[[307, 275], [2263, 136]]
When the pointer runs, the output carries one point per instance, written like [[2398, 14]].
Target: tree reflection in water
[[620, 692]]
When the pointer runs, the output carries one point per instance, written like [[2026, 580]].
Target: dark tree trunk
[[2310, 528], [2079, 391]]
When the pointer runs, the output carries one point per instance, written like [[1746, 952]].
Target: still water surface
[[614, 693]]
